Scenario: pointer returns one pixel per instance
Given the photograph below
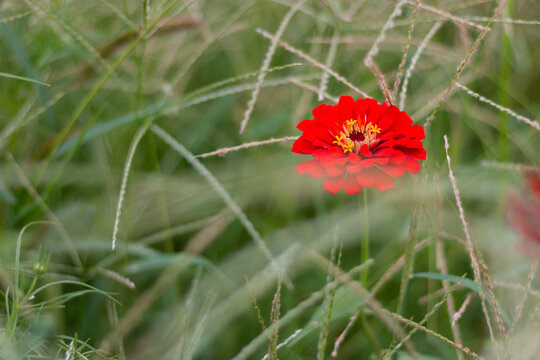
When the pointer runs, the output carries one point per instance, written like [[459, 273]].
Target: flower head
[[357, 144], [523, 213]]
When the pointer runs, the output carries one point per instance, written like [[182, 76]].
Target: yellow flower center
[[355, 134]]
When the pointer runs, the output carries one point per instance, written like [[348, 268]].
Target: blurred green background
[[178, 274]]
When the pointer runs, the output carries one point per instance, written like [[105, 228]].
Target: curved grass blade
[[23, 78]]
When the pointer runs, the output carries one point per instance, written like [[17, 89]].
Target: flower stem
[[365, 239], [364, 275]]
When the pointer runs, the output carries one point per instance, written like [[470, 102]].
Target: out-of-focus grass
[[174, 225]]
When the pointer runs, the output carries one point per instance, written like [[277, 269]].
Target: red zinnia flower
[[523, 213], [359, 144]]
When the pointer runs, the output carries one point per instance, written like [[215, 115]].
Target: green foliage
[[79, 80]]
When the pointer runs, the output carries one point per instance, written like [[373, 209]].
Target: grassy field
[[131, 227]]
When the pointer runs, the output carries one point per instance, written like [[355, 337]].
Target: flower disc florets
[[357, 144]]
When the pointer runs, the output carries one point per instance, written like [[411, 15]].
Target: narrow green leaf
[[23, 78]]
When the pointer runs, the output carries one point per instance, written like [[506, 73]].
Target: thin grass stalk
[[178, 230], [256, 307], [188, 305], [509, 166], [466, 4], [140, 306], [516, 286], [18, 124], [450, 305], [313, 89], [64, 162], [464, 63], [406, 51], [414, 61], [17, 17], [226, 150], [140, 133], [470, 247], [123, 186], [369, 301], [199, 52], [384, 87], [223, 194], [434, 260], [201, 325], [274, 318], [521, 304], [314, 62], [285, 342], [99, 84], [374, 50], [494, 303], [116, 277], [293, 313], [266, 63], [382, 280], [505, 20], [351, 11], [417, 326], [501, 108], [146, 13], [118, 13], [392, 350], [462, 308], [409, 259], [48, 212], [215, 85], [329, 62], [449, 16], [72, 32], [328, 303], [112, 314]]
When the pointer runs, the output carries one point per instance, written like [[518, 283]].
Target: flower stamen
[[355, 133], [375, 129], [349, 146]]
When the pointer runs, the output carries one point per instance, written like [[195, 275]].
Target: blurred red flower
[[523, 213], [359, 144]]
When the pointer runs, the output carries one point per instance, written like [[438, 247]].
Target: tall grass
[[164, 128]]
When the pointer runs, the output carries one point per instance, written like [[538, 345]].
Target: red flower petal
[[387, 119], [415, 131], [393, 170], [419, 154], [334, 171], [302, 146], [333, 161], [383, 182], [354, 158], [354, 168], [345, 107], [401, 122], [351, 185], [333, 184], [305, 125], [364, 150], [365, 178], [411, 165], [312, 167]]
